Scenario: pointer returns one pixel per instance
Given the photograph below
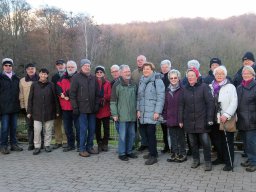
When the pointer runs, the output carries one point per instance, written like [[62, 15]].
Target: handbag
[[230, 125]]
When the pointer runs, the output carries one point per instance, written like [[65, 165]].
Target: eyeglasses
[[8, 65], [173, 78]]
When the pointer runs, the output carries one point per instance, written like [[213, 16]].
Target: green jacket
[[123, 101]]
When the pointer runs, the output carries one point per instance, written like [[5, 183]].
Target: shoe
[[172, 158], [104, 148], [36, 151], [181, 158], [195, 164], [31, 147], [245, 164], [84, 154], [16, 148], [251, 168], [132, 155], [123, 157], [142, 148], [217, 162], [93, 151], [152, 160], [189, 152], [48, 149], [5, 150], [56, 146], [165, 150], [208, 166], [68, 149], [227, 168], [64, 145], [244, 155]]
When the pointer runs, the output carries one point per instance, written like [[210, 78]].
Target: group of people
[[206, 110]]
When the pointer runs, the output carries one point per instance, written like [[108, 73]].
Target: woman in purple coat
[[170, 114]]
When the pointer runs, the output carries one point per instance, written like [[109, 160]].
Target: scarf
[[33, 78], [173, 88], [9, 74], [246, 83], [216, 86]]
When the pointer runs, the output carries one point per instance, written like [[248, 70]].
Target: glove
[[76, 111], [210, 123]]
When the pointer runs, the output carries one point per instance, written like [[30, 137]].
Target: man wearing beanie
[[9, 106], [60, 137], [84, 97]]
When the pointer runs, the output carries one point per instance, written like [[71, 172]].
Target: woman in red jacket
[[103, 115]]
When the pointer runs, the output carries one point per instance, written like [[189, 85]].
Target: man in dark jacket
[[9, 106], [84, 97], [60, 137]]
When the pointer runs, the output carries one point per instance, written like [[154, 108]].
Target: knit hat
[[60, 61], [194, 63], [249, 68], [100, 68], [85, 61], [249, 56], [194, 70], [7, 61], [215, 60], [29, 65]]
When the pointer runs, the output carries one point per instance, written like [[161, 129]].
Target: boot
[[195, 163], [208, 166]]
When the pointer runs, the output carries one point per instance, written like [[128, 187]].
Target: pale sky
[[126, 11]]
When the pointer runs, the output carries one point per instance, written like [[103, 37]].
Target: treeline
[[49, 33]]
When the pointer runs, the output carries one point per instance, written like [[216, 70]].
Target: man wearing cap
[[9, 106], [85, 99], [25, 84], [60, 137]]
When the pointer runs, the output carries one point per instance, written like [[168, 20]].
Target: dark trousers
[[205, 141], [150, 130], [165, 135], [177, 140], [102, 140]]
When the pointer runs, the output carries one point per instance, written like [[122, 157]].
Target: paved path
[[66, 172]]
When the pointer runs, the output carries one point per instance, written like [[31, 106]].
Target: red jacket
[[105, 91], [63, 86]]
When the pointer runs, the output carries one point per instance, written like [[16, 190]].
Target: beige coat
[[24, 93]]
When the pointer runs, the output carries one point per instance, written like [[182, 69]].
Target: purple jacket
[[171, 108]]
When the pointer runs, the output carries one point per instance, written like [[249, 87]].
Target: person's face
[[191, 77], [99, 74], [43, 76], [147, 71], [214, 66], [126, 73], [247, 62], [115, 73], [60, 67], [219, 76], [247, 75], [140, 61], [174, 79], [165, 68], [31, 71], [71, 68], [86, 68], [7, 68]]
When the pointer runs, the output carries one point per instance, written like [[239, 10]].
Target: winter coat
[[43, 104], [165, 79], [84, 94], [105, 90], [150, 99], [238, 76], [136, 75], [123, 101], [9, 94], [171, 108], [246, 110], [196, 108]]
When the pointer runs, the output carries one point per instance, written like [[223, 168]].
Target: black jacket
[[246, 110], [9, 94]]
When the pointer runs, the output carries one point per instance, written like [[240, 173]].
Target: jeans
[[105, 122], [177, 140], [251, 146], [143, 135], [205, 141], [87, 123], [150, 130], [70, 120], [126, 137], [8, 125]]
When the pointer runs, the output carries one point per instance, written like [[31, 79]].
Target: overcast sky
[[125, 11]]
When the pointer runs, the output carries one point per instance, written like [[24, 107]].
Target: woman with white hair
[[225, 99], [246, 113], [170, 114], [63, 87]]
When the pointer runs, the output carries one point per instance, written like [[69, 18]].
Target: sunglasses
[[8, 65], [173, 78]]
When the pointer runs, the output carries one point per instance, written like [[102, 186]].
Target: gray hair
[[174, 71], [123, 66], [115, 67], [223, 68], [144, 57], [71, 62], [249, 68], [166, 61]]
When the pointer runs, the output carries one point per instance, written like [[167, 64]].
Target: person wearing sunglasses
[[9, 106]]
